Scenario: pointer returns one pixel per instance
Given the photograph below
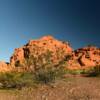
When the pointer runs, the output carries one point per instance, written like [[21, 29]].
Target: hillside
[[81, 58]]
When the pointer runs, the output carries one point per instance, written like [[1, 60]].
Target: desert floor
[[71, 88]]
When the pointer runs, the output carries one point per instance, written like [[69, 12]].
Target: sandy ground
[[71, 88]]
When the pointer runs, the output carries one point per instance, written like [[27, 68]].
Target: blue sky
[[76, 21]]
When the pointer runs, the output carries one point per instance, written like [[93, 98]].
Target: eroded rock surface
[[4, 67], [37, 47], [79, 59], [85, 57]]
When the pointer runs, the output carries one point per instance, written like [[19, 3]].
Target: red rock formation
[[5, 67], [80, 59], [18, 55], [85, 57], [37, 47]]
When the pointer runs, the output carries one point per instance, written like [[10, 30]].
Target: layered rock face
[[85, 57]]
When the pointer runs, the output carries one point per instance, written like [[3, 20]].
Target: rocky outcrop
[[4, 67], [85, 57], [37, 47], [79, 59]]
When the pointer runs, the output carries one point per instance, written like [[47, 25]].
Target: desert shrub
[[44, 69], [83, 72], [89, 72], [74, 72], [15, 80], [48, 75], [47, 71], [94, 71]]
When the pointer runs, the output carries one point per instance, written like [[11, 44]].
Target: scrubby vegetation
[[46, 71], [41, 76], [48, 75], [15, 80], [94, 71], [89, 72], [42, 69]]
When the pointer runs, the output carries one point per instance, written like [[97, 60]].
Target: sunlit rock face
[[4, 67], [85, 57], [39, 46], [18, 55], [82, 58]]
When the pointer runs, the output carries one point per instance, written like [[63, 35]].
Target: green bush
[[90, 72], [74, 72], [46, 70], [48, 75], [94, 71], [40, 68], [15, 80]]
